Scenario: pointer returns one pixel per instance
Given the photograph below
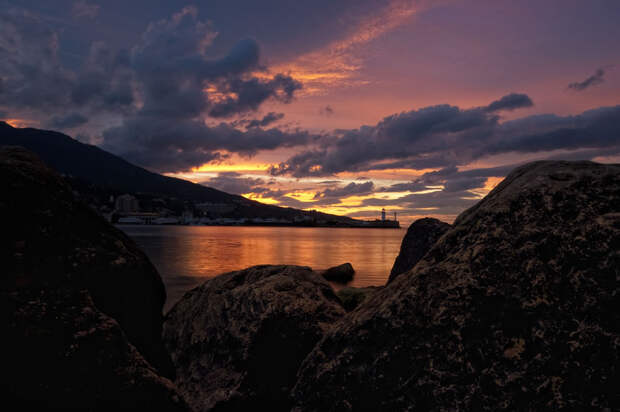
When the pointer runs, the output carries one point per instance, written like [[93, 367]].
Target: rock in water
[[341, 273], [70, 279], [514, 308], [237, 341], [420, 237]]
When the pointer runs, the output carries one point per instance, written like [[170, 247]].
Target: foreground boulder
[[342, 273], [237, 341], [82, 303], [60, 352], [420, 237], [515, 308]]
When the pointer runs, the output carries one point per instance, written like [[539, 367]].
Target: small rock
[[341, 273]]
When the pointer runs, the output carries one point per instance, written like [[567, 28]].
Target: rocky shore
[[513, 307], [82, 304]]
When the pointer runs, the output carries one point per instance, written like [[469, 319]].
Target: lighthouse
[[383, 214]]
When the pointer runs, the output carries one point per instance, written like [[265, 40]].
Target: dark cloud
[[596, 78], [414, 186], [69, 121], [465, 183], [250, 94], [439, 202], [420, 136], [233, 182], [105, 81], [510, 102], [352, 189], [326, 111], [182, 160], [598, 128], [166, 146], [455, 196], [447, 191], [158, 93], [268, 119], [451, 179], [33, 77], [35, 80], [174, 70], [37, 83], [444, 136]]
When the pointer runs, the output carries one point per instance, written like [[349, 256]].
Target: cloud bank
[[447, 136], [160, 93]]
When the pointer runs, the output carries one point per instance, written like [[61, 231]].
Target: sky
[[346, 107]]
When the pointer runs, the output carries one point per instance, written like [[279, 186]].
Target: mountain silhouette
[[94, 165]]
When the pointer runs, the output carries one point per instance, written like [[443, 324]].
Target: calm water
[[187, 255]]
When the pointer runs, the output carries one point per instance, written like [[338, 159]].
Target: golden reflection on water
[[187, 255]]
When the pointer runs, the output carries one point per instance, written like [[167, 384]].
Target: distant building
[[382, 214], [127, 204]]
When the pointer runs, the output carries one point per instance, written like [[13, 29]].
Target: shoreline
[[337, 226]]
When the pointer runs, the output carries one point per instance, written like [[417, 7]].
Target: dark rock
[[341, 273], [62, 353], [53, 239], [514, 308], [54, 249], [352, 297], [237, 341], [420, 237]]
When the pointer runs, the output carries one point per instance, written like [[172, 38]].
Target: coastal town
[[126, 209]]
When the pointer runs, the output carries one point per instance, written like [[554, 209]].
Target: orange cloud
[[259, 198], [231, 167], [337, 63], [17, 122], [302, 196]]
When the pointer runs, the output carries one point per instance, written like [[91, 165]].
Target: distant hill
[[96, 166]]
